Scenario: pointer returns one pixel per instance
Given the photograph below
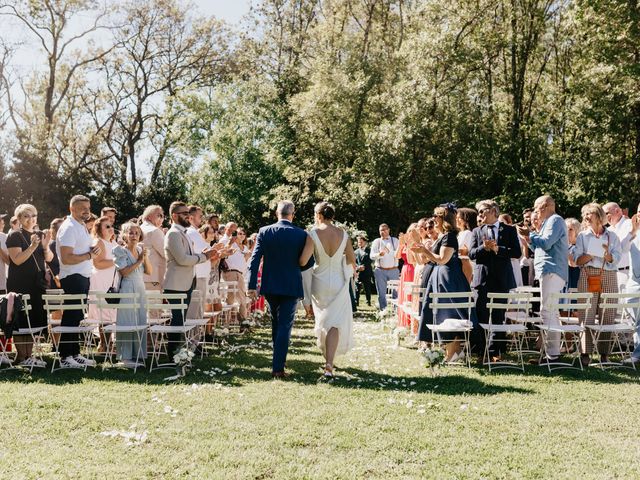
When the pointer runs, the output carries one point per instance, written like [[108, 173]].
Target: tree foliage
[[384, 107]]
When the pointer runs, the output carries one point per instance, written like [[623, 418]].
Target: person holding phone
[[28, 251], [237, 266]]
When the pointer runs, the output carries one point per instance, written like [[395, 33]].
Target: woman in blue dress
[[132, 262], [447, 277]]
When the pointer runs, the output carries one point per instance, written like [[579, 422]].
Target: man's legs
[[550, 284], [70, 342], [283, 310], [177, 319], [381, 285]]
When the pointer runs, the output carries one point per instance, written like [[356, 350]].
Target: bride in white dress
[[332, 272]]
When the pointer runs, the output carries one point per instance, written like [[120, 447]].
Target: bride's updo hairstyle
[[326, 210]]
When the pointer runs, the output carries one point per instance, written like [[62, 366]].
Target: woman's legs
[[331, 345]]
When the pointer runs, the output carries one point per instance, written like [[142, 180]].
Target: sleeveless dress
[[330, 294], [127, 343], [446, 278], [406, 276], [101, 281]]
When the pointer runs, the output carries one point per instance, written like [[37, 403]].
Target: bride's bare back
[[331, 238]]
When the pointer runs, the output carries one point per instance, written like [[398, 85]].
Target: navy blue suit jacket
[[279, 246], [494, 270]]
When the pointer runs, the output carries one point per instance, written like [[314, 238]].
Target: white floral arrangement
[[221, 332], [387, 318], [247, 323], [400, 332], [183, 357], [434, 356]]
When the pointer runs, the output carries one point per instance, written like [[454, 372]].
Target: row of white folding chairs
[[518, 306], [154, 301]]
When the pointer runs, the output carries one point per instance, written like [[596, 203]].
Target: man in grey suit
[[180, 275]]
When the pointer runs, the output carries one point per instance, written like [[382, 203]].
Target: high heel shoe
[[328, 371]]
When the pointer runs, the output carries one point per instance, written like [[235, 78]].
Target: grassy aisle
[[384, 418]]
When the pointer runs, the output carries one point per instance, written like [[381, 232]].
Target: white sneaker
[[84, 362], [69, 362]]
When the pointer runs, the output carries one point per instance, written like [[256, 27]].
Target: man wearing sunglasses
[[181, 260]]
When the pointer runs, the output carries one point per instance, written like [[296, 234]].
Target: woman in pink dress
[[407, 273]]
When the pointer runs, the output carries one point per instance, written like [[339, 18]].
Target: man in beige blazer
[[181, 260]]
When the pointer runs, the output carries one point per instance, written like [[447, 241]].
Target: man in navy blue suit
[[279, 247], [493, 245]]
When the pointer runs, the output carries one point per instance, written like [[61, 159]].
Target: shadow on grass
[[250, 361]]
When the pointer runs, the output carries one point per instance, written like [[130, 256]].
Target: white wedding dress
[[330, 294]]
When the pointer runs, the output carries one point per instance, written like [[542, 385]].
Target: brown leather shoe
[[281, 375]]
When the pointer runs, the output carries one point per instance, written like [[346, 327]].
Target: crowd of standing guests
[[83, 252], [481, 250]]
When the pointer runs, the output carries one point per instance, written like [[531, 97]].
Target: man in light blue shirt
[[551, 263]]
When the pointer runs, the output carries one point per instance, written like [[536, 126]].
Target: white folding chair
[[34, 332], [159, 332], [463, 326], [36, 339], [230, 311], [55, 303], [518, 305], [619, 302], [413, 308], [112, 330], [570, 334], [529, 319], [198, 334], [392, 292]]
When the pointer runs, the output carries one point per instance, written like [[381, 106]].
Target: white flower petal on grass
[[464, 406]]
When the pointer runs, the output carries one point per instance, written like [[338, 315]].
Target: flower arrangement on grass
[[182, 358], [400, 333], [221, 332], [387, 318], [434, 357]]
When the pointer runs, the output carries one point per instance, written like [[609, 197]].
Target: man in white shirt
[[237, 265], [621, 226], [383, 253], [75, 251], [4, 255], [202, 270]]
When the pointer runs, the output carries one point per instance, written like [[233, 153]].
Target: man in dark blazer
[[364, 269], [279, 246], [493, 246]]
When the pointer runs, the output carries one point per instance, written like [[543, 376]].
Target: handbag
[[594, 282], [114, 289]]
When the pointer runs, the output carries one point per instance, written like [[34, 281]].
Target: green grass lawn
[[385, 417]]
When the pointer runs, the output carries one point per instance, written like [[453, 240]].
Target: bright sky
[[28, 57]]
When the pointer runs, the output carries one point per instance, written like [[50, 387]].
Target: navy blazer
[[279, 246], [494, 270]]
